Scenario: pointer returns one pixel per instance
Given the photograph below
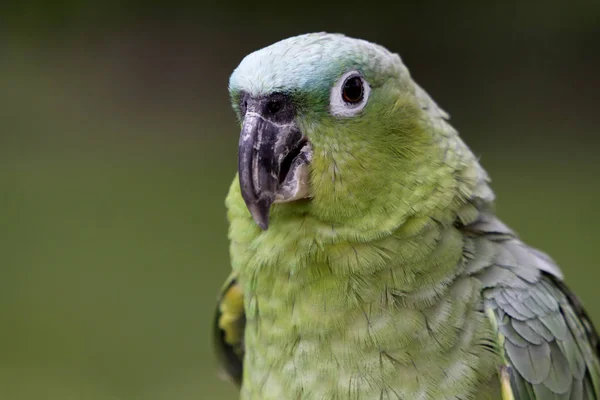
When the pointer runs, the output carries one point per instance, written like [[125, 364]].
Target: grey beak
[[265, 149]]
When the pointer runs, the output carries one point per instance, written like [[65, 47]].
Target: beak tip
[[260, 212], [264, 225]]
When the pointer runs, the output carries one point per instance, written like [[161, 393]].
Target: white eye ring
[[342, 108]]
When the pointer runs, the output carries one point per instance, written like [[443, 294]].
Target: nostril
[[273, 106], [243, 105]]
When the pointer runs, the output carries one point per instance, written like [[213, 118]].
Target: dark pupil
[[353, 90]]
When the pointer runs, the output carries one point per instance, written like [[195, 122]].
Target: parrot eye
[[352, 92], [349, 95]]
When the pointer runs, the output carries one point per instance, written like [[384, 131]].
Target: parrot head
[[331, 127]]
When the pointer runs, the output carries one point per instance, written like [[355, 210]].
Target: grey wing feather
[[549, 341]]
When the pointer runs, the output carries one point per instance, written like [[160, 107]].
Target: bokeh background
[[117, 146]]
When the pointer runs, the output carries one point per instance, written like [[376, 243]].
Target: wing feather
[[549, 341], [229, 325]]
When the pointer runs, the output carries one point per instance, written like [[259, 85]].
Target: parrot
[[367, 260]]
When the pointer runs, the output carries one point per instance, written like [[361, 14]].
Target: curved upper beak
[[272, 163]]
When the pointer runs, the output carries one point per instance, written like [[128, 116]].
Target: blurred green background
[[117, 146]]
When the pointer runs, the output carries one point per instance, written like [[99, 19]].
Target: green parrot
[[367, 260]]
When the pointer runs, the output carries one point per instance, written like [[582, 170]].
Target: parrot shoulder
[[551, 349]]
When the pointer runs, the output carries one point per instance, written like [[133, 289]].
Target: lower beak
[[272, 165]]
